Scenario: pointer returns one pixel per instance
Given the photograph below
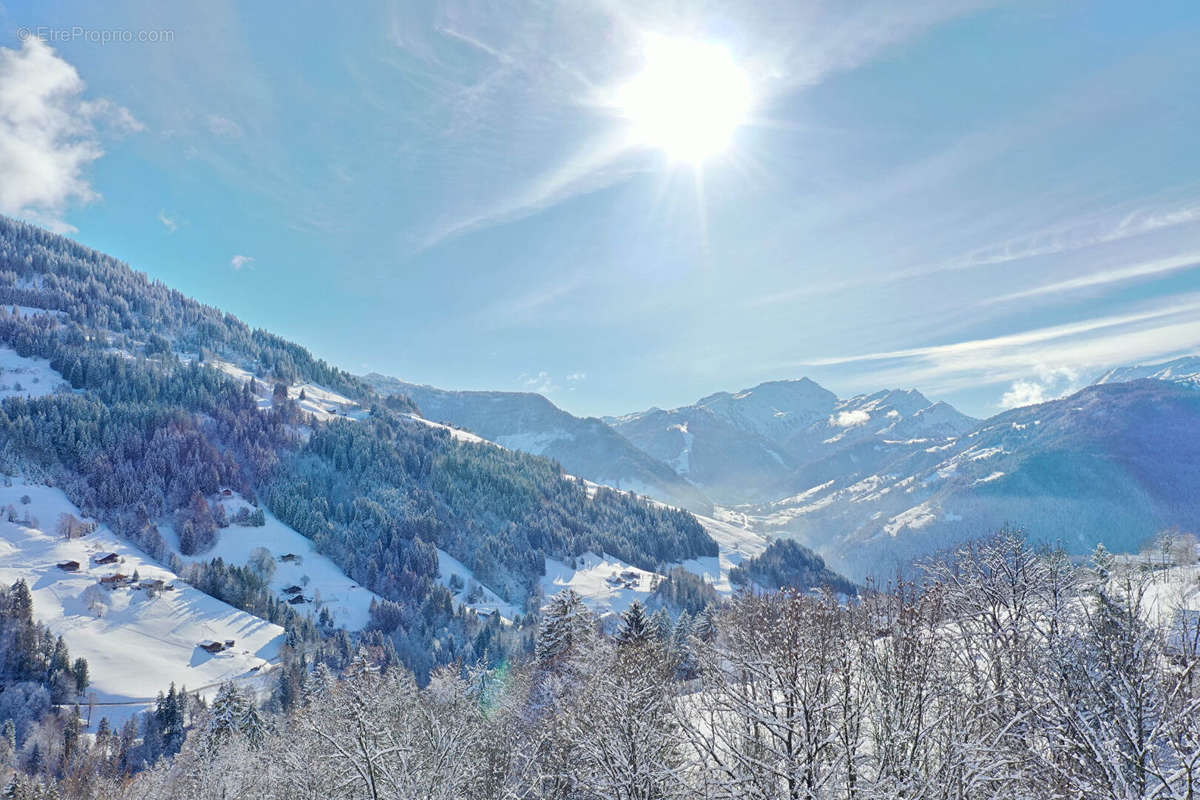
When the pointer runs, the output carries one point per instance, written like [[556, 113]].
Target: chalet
[[115, 580], [289, 558], [68, 566], [153, 583], [227, 493], [211, 646], [293, 589], [105, 558], [297, 600]]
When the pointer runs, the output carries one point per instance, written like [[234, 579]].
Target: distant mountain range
[[764, 443], [875, 480], [1113, 463], [524, 421]]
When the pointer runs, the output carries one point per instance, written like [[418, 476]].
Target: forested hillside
[[149, 431]]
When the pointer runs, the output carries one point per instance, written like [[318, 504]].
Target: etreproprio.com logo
[[50, 34]]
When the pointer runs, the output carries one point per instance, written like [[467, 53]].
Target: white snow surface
[[324, 404], [607, 584], [534, 442], [488, 603], [323, 582], [136, 645], [736, 543], [456, 433], [34, 376]]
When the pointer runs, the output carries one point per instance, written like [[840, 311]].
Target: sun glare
[[688, 99]]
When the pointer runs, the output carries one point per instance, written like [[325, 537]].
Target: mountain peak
[[1180, 370]]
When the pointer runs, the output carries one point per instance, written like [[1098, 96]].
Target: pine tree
[[228, 713], [566, 630], [660, 622], [636, 629], [80, 673], [704, 627], [252, 724]]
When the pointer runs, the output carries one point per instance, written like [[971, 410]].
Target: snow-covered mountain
[[1113, 463], [766, 442], [528, 422], [1180, 370]]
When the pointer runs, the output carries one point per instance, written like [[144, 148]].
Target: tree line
[[1005, 672]]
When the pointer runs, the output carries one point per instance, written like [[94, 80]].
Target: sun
[[688, 100]]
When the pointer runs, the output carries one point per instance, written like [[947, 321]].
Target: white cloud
[[1049, 384], [1023, 393], [223, 127], [239, 262], [49, 134], [851, 419], [170, 224], [540, 383], [575, 377]]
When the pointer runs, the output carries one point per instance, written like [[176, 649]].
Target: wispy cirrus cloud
[[1070, 236], [1038, 362], [223, 127], [550, 72], [1146, 269]]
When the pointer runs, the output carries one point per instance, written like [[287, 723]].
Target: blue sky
[[987, 201]]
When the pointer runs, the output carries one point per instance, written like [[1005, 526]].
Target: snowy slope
[[486, 603], [1184, 370], [324, 404], [135, 644], [323, 582], [26, 377], [609, 585], [737, 544]]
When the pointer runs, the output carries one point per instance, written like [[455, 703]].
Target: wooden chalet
[[105, 558], [68, 566]]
